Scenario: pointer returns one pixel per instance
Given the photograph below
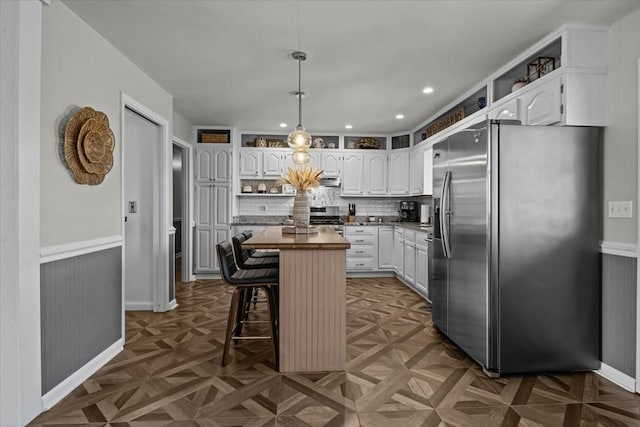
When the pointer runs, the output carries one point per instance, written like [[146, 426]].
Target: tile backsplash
[[365, 206]]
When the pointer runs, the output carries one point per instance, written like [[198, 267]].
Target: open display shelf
[[365, 142], [468, 106], [328, 142], [270, 140], [400, 141], [502, 84]]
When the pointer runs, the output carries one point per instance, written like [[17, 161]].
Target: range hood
[[329, 182]]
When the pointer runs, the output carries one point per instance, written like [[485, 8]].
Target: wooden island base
[[312, 298]]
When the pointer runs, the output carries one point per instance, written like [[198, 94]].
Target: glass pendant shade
[[299, 139], [300, 157]]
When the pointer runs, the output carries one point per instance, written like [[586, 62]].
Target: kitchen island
[[312, 321]]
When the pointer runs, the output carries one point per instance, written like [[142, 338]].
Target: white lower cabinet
[[363, 254], [398, 251], [410, 256], [385, 248], [411, 259], [422, 264]]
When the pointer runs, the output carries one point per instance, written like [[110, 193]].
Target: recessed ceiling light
[[399, 116], [427, 89], [348, 127], [283, 125]]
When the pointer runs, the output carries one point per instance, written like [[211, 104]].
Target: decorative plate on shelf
[[369, 142]]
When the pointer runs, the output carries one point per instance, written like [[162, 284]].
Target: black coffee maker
[[408, 211]]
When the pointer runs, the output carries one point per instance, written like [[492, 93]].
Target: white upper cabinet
[[331, 163], [427, 186], [272, 163], [353, 174], [250, 163], [542, 105], [375, 173], [399, 173], [212, 163], [507, 111], [416, 170]]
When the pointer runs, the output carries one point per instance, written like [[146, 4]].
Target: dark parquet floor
[[401, 372]]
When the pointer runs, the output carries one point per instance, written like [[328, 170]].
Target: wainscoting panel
[[81, 311], [619, 313]]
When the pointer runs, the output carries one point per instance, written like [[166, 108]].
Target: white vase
[[301, 209]]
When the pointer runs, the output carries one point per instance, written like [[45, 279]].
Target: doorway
[[182, 222], [145, 162]]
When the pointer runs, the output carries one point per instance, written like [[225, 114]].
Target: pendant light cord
[[299, 94]]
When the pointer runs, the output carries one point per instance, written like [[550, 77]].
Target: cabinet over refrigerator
[[515, 259]]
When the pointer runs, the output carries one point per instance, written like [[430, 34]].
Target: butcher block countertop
[[274, 238]]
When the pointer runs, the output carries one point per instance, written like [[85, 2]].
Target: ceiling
[[229, 62]]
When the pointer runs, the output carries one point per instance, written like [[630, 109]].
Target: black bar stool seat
[[246, 262]]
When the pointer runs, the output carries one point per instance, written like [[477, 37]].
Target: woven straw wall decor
[[88, 146]]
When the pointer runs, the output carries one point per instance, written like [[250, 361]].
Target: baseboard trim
[[619, 378], [173, 305], [69, 250], [138, 306], [369, 274], [57, 393], [618, 248]]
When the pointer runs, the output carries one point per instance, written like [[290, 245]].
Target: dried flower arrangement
[[303, 178]]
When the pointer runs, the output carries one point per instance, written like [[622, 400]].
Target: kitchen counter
[[312, 298], [410, 225], [273, 238]]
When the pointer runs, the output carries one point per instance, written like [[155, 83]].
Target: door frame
[[187, 207], [638, 243], [161, 206]]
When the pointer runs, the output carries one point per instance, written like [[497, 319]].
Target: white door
[[421, 269], [272, 163], [398, 252], [222, 164], [250, 163], [204, 231], [427, 172], [399, 173], [410, 262], [204, 164], [332, 164], [375, 167], [353, 174], [221, 218], [541, 106], [417, 173], [385, 248], [142, 140]]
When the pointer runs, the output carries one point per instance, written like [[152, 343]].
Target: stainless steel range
[[327, 215]]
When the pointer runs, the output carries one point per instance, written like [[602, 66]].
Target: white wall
[[182, 128], [80, 68], [621, 136]]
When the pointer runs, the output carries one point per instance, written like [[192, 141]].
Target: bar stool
[[244, 281], [258, 254], [247, 262]]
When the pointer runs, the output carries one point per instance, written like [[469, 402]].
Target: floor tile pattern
[[401, 372]]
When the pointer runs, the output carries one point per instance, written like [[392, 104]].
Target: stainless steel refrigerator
[[515, 262]]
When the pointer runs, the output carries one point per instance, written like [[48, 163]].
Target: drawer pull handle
[[359, 241], [360, 264], [359, 231], [359, 252]]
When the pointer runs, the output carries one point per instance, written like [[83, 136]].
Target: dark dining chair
[[244, 282]]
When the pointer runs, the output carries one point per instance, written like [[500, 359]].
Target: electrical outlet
[[620, 209]]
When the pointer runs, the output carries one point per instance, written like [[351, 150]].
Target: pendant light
[[299, 140]]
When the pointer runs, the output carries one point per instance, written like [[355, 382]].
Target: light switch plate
[[620, 209]]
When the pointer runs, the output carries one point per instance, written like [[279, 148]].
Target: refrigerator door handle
[[444, 215]]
